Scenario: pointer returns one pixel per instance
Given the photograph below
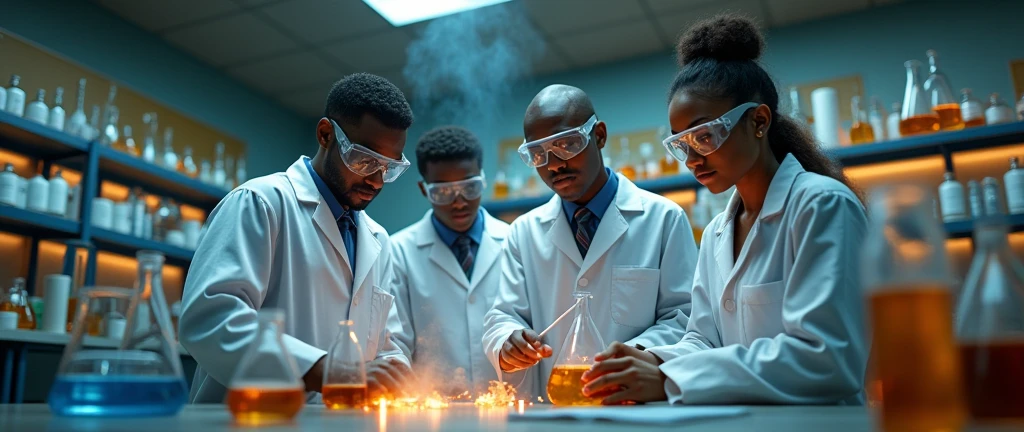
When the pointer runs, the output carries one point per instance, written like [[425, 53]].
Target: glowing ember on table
[[499, 394]]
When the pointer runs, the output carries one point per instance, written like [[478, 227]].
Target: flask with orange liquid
[[917, 116], [17, 301], [266, 388], [940, 94], [861, 131], [971, 109], [582, 343], [914, 375], [624, 163], [344, 385]]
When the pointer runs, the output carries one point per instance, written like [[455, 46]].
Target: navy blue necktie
[[464, 254], [586, 225], [347, 226]]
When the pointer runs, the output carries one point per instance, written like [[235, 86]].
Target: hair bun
[[722, 38]]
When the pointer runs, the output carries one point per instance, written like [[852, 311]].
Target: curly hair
[[363, 93], [718, 59], [447, 143]]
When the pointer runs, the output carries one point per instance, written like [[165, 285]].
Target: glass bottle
[[796, 111], [266, 387], [137, 198], [109, 135], [15, 97], [57, 199], [990, 326], [109, 106], [971, 109], [219, 174], [914, 373], [669, 164], [576, 356], [56, 117], [952, 200], [500, 186], [974, 198], [876, 118], [9, 184], [169, 158], [344, 385], [1020, 108], [127, 142], [651, 164], [917, 116], [205, 175], [187, 165], [78, 122], [1013, 182], [892, 123], [165, 219], [991, 197], [240, 173], [17, 301], [998, 111], [940, 94], [624, 164], [93, 131], [149, 143], [861, 131], [229, 167], [37, 110]]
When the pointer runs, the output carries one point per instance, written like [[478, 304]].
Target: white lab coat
[[273, 243], [442, 312], [639, 269], [783, 324]]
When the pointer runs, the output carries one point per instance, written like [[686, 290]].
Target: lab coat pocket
[[380, 306], [634, 295], [762, 310]]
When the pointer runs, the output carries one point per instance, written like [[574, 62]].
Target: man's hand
[[624, 374], [522, 350], [387, 377]]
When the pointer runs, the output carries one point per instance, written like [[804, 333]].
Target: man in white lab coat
[[631, 249], [299, 241], [446, 271]]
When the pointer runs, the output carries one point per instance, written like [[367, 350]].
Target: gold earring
[[760, 134]]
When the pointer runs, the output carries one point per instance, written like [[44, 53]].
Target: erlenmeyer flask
[[917, 116], [940, 94], [345, 374], [17, 301], [266, 387], [990, 326], [582, 343], [914, 370], [143, 377]]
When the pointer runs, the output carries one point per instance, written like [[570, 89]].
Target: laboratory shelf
[[29, 223], [129, 170], [38, 141], [964, 229], [124, 244]]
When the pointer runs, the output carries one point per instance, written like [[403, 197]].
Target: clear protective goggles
[[445, 193], [364, 161], [566, 145], [705, 138]]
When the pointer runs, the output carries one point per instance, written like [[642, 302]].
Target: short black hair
[[448, 143], [363, 93]]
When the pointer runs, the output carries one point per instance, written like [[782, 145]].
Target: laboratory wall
[[973, 38]]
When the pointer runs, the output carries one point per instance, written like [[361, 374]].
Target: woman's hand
[[625, 374]]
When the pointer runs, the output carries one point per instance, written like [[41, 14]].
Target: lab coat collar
[[302, 183], [775, 200], [367, 248], [441, 255]]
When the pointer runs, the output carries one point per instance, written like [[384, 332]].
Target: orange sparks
[[498, 394], [522, 406]]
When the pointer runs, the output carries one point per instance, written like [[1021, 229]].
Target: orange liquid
[[949, 116], [260, 406], [628, 171], [980, 121], [921, 124], [861, 133], [500, 189], [93, 322], [669, 166], [916, 365], [26, 318], [344, 396], [565, 387], [994, 377]]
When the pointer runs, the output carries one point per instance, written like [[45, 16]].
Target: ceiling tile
[[786, 12], [379, 51], [157, 15], [564, 17], [308, 102], [674, 25], [326, 20], [610, 43], [230, 40], [286, 72]]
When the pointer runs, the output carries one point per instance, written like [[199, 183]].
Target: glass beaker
[[344, 385], [142, 377], [17, 301], [861, 131], [917, 116], [914, 368], [990, 326], [625, 164], [266, 387], [576, 356], [940, 95]]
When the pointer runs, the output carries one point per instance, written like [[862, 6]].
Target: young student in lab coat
[[446, 271], [777, 308], [299, 241], [633, 250]]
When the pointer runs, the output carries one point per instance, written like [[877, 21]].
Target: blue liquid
[[117, 396]]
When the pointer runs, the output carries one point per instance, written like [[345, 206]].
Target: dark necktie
[[347, 226], [464, 254], [586, 225]]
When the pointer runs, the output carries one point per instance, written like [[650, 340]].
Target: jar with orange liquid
[[972, 111], [624, 164], [266, 388], [17, 301], [940, 94], [576, 356], [917, 116], [914, 375], [344, 385], [500, 186], [990, 327], [861, 131]]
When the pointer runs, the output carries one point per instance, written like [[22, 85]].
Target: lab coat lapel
[[488, 252], [442, 256], [559, 231], [367, 251], [725, 233], [613, 224], [329, 226]]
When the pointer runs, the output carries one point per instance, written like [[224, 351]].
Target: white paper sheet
[[633, 414]]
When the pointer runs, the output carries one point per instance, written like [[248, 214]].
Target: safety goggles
[[445, 193], [566, 145], [364, 161], [704, 139]]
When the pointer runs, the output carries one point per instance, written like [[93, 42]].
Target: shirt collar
[[600, 203], [448, 235], [336, 209]]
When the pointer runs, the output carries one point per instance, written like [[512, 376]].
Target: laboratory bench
[[456, 418]]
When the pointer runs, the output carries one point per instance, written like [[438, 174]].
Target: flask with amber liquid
[[861, 131], [266, 388], [917, 116], [669, 165], [344, 385], [625, 162], [582, 343], [500, 186], [17, 301], [972, 110], [940, 94]]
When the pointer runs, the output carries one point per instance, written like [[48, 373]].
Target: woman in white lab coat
[[777, 312]]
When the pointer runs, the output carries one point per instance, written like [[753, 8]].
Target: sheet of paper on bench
[[633, 414]]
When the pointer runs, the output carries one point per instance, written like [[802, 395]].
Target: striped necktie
[[586, 225], [464, 253]]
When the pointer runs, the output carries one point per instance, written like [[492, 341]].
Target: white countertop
[[61, 339]]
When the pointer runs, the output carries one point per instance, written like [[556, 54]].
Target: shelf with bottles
[[29, 138], [124, 168], [128, 245], [965, 228], [35, 224]]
